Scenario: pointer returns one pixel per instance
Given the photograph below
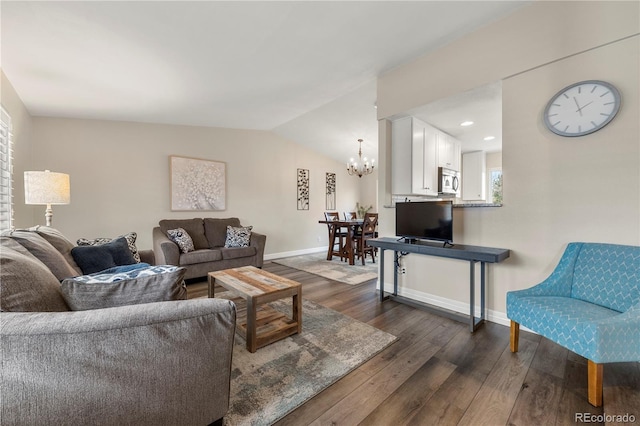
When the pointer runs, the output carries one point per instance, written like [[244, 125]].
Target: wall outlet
[[319, 238]]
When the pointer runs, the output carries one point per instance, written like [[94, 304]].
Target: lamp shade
[[46, 188]]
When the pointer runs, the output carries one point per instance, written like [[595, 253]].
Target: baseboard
[[272, 256], [431, 299], [451, 305]]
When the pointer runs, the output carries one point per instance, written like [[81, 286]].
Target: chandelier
[[362, 166]]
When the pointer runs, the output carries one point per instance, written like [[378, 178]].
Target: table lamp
[[47, 188]]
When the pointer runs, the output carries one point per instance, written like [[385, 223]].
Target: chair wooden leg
[[514, 336], [332, 243], [594, 372]]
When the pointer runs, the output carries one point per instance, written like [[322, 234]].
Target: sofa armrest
[[166, 251], [258, 241], [147, 256], [158, 363], [560, 281]]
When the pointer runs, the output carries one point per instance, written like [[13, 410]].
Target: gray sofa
[[209, 236], [157, 363]]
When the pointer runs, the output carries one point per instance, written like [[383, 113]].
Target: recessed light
[[466, 123], [489, 138]]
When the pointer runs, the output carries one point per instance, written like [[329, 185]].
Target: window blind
[[6, 171]]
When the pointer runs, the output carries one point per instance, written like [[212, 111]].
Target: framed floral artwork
[[331, 191], [197, 184], [303, 189]]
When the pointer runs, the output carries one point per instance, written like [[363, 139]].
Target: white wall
[[120, 179], [368, 191], [556, 190]]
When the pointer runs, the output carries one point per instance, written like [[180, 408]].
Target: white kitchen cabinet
[[448, 151], [430, 161], [473, 176], [457, 152], [414, 167]]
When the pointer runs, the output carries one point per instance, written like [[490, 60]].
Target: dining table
[[352, 227]]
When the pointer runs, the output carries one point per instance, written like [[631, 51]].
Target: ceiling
[[305, 70], [482, 106]]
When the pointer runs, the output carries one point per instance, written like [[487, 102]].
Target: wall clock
[[582, 108]]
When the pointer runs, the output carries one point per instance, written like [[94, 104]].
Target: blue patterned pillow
[[139, 270], [238, 237], [182, 239]]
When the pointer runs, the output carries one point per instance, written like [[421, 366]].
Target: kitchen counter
[[455, 205], [461, 205]]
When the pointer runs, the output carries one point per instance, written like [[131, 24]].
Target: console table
[[472, 254]]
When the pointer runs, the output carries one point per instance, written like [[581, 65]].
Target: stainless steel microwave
[[448, 181]]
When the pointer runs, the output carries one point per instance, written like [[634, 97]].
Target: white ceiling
[[304, 69], [482, 105]]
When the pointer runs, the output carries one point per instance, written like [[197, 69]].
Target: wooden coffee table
[[264, 325]]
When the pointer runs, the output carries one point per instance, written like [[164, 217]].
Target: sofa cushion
[[130, 237], [27, 285], [236, 252], [200, 256], [564, 320], [59, 242], [194, 227], [92, 259], [238, 237], [141, 285], [45, 252], [182, 239], [216, 230], [8, 242]]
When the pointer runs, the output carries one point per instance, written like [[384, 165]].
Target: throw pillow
[[215, 229], [194, 227], [45, 252], [26, 285], [130, 237], [124, 268], [59, 242], [141, 285], [182, 239], [93, 259], [238, 237], [10, 243]]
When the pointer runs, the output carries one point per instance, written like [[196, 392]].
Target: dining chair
[[350, 215], [336, 236], [367, 232]]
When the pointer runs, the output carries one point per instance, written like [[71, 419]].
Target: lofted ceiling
[[304, 69]]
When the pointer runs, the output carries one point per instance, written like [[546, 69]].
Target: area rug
[[335, 269], [278, 378]]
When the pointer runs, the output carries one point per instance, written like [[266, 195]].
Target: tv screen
[[425, 220]]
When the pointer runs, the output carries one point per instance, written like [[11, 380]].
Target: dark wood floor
[[437, 373]]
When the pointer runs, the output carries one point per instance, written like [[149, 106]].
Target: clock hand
[[585, 105], [578, 105]]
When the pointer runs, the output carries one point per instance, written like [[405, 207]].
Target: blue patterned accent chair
[[590, 304]]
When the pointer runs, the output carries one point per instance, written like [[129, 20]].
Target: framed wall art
[[331, 191], [197, 184], [303, 189]]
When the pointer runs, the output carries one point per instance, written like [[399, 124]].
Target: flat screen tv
[[425, 220]]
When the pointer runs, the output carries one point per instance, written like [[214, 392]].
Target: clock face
[[582, 108]]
